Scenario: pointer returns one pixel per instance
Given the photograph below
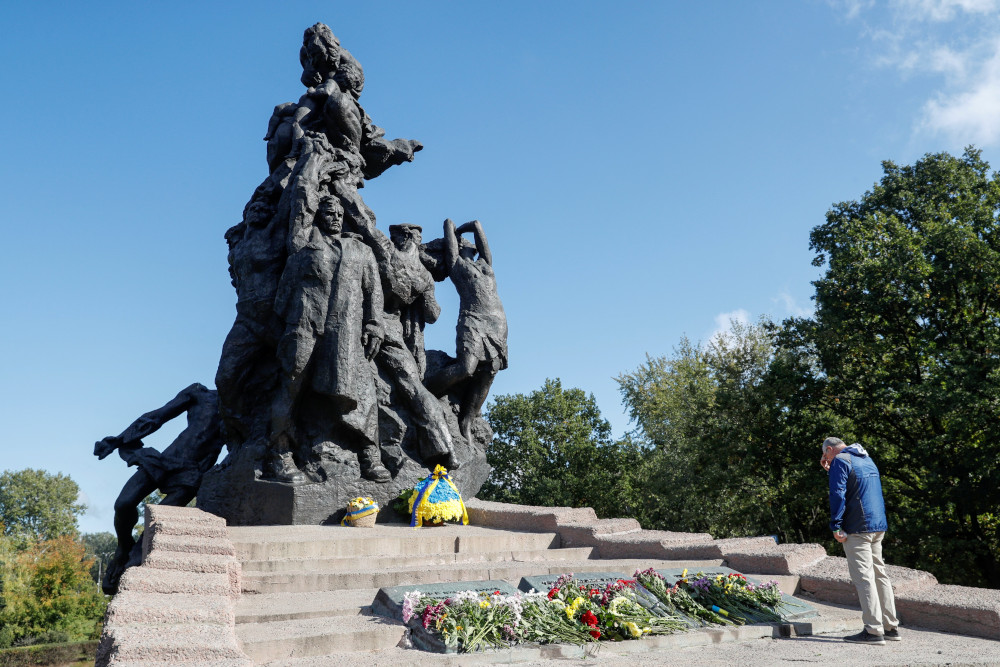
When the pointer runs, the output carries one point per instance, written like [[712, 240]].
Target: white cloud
[[724, 322], [970, 114], [92, 510], [792, 307], [952, 41], [942, 10], [851, 8]]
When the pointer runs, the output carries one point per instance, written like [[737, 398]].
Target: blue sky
[[643, 171]]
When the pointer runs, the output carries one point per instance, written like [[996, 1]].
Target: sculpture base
[[235, 491]]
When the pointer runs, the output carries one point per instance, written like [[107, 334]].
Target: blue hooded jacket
[[856, 504]]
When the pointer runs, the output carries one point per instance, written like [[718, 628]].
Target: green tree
[[35, 504], [907, 338], [552, 447], [732, 442], [100, 547], [47, 588]]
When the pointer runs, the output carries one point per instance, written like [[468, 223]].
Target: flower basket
[[361, 513], [436, 501]]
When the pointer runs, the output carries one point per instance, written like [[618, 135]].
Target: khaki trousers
[[864, 561]]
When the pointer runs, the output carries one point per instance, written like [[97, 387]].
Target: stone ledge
[[574, 534], [169, 608], [767, 557], [960, 609], [830, 580], [657, 544], [525, 517], [190, 544]]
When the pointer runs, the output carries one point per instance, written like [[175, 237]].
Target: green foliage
[[907, 337], [50, 654], [730, 448], [35, 504], [47, 587], [552, 447], [101, 548]]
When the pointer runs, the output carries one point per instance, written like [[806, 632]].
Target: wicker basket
[[364, 522], [361, 513]]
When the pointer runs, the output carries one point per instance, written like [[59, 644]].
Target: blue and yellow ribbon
[[422, 506]]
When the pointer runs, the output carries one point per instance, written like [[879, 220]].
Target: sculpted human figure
[[424, 308], [330, 299], [334, 81], [256, 259], [404, 280], [481, 335], [176, 471]]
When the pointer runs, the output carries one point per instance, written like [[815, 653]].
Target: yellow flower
[[633, 629], [458, 627], [569, 612], [484, 604]]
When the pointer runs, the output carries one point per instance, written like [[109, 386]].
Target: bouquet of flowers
[[361, 513], [676, 598], [732, 596]]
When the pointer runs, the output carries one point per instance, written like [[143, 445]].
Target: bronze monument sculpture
[[325, 389]]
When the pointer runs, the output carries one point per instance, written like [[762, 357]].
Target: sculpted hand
[[372, 344], [103, 448]]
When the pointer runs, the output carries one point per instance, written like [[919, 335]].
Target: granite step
[[267, 607], [260, 543], [308, 579], [276, 640], [423, 560]]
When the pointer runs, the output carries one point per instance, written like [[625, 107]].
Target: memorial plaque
[[544, 582], [793, 609]]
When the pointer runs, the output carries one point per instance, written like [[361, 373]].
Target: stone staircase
[[308, 590]]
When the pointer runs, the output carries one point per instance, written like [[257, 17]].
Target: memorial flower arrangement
[[723, 598], [570, 612], [361, 511], [436, 499]]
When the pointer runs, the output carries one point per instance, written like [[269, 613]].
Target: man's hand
[[840, 535], [372, 343], [106, 446]]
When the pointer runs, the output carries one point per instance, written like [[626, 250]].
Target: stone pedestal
[[235, 491]]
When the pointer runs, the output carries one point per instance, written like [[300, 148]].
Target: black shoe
[[892, 635], [865, 637]]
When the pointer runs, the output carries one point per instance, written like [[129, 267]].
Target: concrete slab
[[269, 607], [264, 642]]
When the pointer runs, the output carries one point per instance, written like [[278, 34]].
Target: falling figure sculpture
[[176, 471]]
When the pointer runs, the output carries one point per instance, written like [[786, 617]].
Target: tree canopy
[[907, 338], [552, 447], [35, 504]]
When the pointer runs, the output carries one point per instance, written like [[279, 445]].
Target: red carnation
[[553, 592], [595, 633], [589, 618]]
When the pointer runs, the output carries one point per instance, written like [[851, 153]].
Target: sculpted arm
[[371, 286], [145, 425], [479, 235], [450, 246]]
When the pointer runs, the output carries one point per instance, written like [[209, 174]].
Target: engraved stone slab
[[543, 582], [389, 603], [793, 610]]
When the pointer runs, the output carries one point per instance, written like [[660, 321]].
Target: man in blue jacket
[[857, 519]]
